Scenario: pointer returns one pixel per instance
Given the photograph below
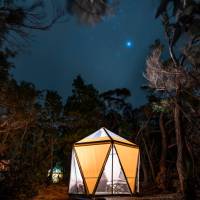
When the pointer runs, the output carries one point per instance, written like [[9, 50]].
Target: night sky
[[109, 55]]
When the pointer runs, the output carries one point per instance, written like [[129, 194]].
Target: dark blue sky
[[55, 57]]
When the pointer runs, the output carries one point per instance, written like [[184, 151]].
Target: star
[[129, 44]]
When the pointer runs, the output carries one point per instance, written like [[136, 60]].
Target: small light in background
[[57, 175]]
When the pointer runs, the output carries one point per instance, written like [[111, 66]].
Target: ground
[[59, 192], [53, 192]]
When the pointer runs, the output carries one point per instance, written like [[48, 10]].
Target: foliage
[[16, 21], [175, 80], [37, 131], [91, 11]]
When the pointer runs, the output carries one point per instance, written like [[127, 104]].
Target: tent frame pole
[[112, 145], [112, 168], [138, 174]]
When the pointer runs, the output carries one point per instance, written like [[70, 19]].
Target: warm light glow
[[104, 163], [57, 175]]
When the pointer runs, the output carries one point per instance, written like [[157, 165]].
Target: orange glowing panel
[[91, 160], [129, 160], [84, 140]]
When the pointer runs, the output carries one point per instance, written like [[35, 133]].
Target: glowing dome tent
[[104, 164]]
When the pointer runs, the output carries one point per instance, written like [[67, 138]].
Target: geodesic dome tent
[[104, 164]]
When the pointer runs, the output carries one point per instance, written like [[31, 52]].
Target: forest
[[38, 128]]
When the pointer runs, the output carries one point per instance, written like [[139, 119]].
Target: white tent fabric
[[120, 184], [112, 178], [76, 185], [96, 134], [104, 134], [113, 135], [106, 178]]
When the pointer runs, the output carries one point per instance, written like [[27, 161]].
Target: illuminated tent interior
[[104, 164]]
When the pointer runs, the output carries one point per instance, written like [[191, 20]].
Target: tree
[[117, 110], [90, 11], [83, 95], [84, 107], [177, 76], [16, 20], [52, 115]]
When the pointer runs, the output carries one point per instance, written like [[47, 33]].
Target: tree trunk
[[161, 176], [145, 172], [149, 159], [50, 177], [180, 163]]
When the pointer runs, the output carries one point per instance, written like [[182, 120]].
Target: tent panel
[[105, 182], [120, 185], [91, 158], [91, 182], [112, 179], [104, 134], [99, 135], [93, 140], [132, 182], [122, 140], [129, 163], [76, 182], [118, 138], [72, 182]]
